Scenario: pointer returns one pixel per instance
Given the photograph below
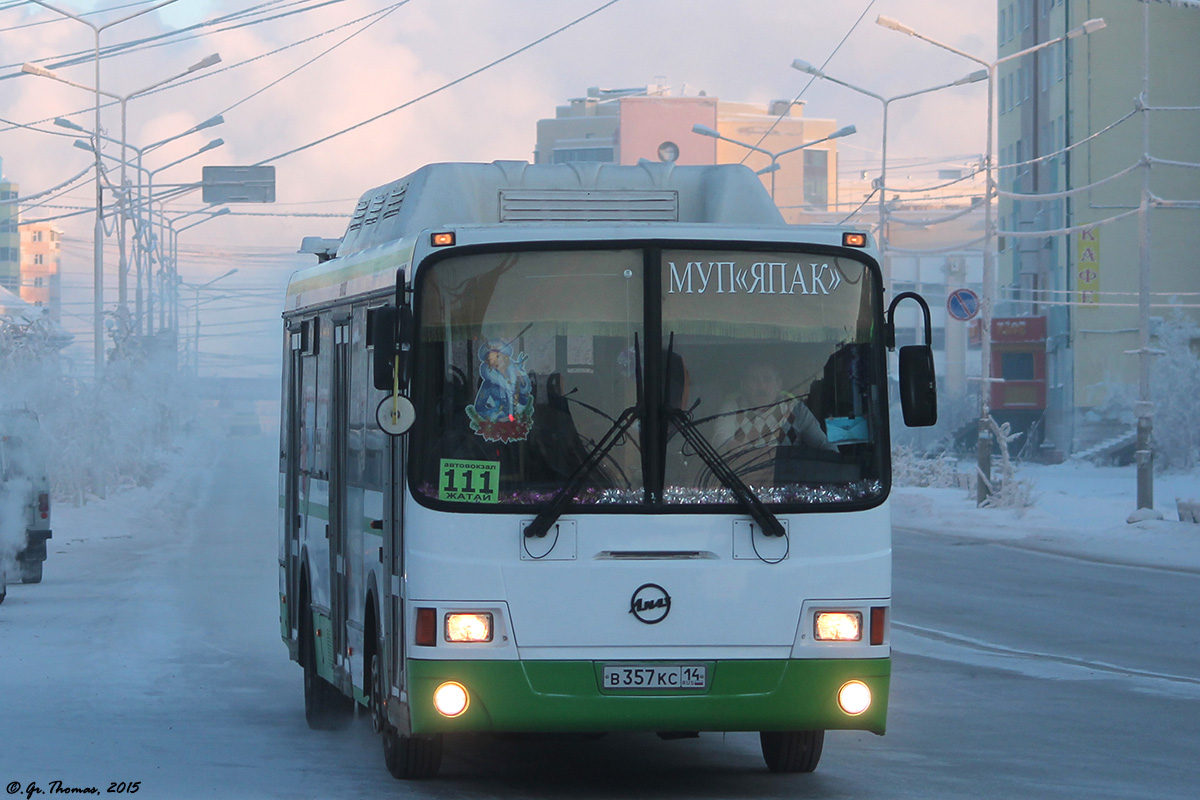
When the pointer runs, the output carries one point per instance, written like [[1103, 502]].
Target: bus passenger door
[[339, 402], [291, 481], [385, 470], [393, 558]]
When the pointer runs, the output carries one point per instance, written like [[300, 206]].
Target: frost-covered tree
[[1175, 391], [99, 436]]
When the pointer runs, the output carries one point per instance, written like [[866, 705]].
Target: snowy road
[[151, 654]]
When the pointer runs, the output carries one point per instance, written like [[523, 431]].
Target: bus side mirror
[[918, 386], [391, 335]]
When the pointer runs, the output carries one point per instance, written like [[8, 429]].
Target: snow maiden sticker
[[503, 407]]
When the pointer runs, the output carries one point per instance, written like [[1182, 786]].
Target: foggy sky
[[737, 50]]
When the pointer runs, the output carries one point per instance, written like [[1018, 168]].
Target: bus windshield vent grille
[[375, 209], [394, 201], [360, 211], [583, 205]]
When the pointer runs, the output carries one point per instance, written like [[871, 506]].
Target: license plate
[[662, 677]]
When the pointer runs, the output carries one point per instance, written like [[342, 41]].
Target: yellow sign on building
[[1087, 266]]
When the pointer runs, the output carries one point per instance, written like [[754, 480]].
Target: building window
[[1017, 366], [568, 154], [38, 282], [37, 258], [816, 178]]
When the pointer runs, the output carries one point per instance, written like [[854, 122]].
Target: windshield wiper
[[566, 493], [716, 462], [724, 473]]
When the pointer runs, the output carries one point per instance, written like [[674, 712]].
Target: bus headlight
[[451, 699], [472, 627], [837, 626], [854, 697]]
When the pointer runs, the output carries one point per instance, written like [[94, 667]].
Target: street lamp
[[149, 201], [704, 130], [983, 452], [197, 288], [881, 184], [98, 230], [123, 213], [146, 227]]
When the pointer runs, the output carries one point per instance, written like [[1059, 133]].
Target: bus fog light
[[837, 626], [469, 627], [451, 699], [854, 697]]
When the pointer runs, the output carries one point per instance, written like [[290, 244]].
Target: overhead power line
[[379, 15], [787, 111], [242, 18], [441, 88]]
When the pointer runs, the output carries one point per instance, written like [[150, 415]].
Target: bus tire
[[792, 751], [325, 708], [406, 757], [31, 572], [412, 757]]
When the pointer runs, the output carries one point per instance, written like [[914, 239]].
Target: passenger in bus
[[762, 414], [554, 439]]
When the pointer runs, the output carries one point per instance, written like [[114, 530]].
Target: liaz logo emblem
[[650, 603]]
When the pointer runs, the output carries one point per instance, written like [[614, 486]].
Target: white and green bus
[[590, 448]]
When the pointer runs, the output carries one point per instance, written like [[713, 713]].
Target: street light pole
[[983, 452], [122, 198], [881, 184], [150, 173], [704, 130], [98, 230], [197, 288], [123, 266], [148, 202], [1144, 408]]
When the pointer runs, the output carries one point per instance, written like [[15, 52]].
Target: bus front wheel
[[792, 751], [406, 757]]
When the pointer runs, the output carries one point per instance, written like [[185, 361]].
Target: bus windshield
[[767, 365]]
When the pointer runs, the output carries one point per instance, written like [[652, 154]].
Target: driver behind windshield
[[762, 414]]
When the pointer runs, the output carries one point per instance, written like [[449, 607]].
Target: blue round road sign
[[962, 304]]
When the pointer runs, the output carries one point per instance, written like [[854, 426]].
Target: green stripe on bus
[[321, 512], [565, 696]]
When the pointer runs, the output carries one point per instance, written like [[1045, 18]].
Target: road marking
[[942, 645]]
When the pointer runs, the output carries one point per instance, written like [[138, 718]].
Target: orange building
[[622, 126], [41, 244]]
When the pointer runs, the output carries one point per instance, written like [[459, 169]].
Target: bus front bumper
[[567, 696]]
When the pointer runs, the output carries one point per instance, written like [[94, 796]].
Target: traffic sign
[[962, 304], [238, 185]]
